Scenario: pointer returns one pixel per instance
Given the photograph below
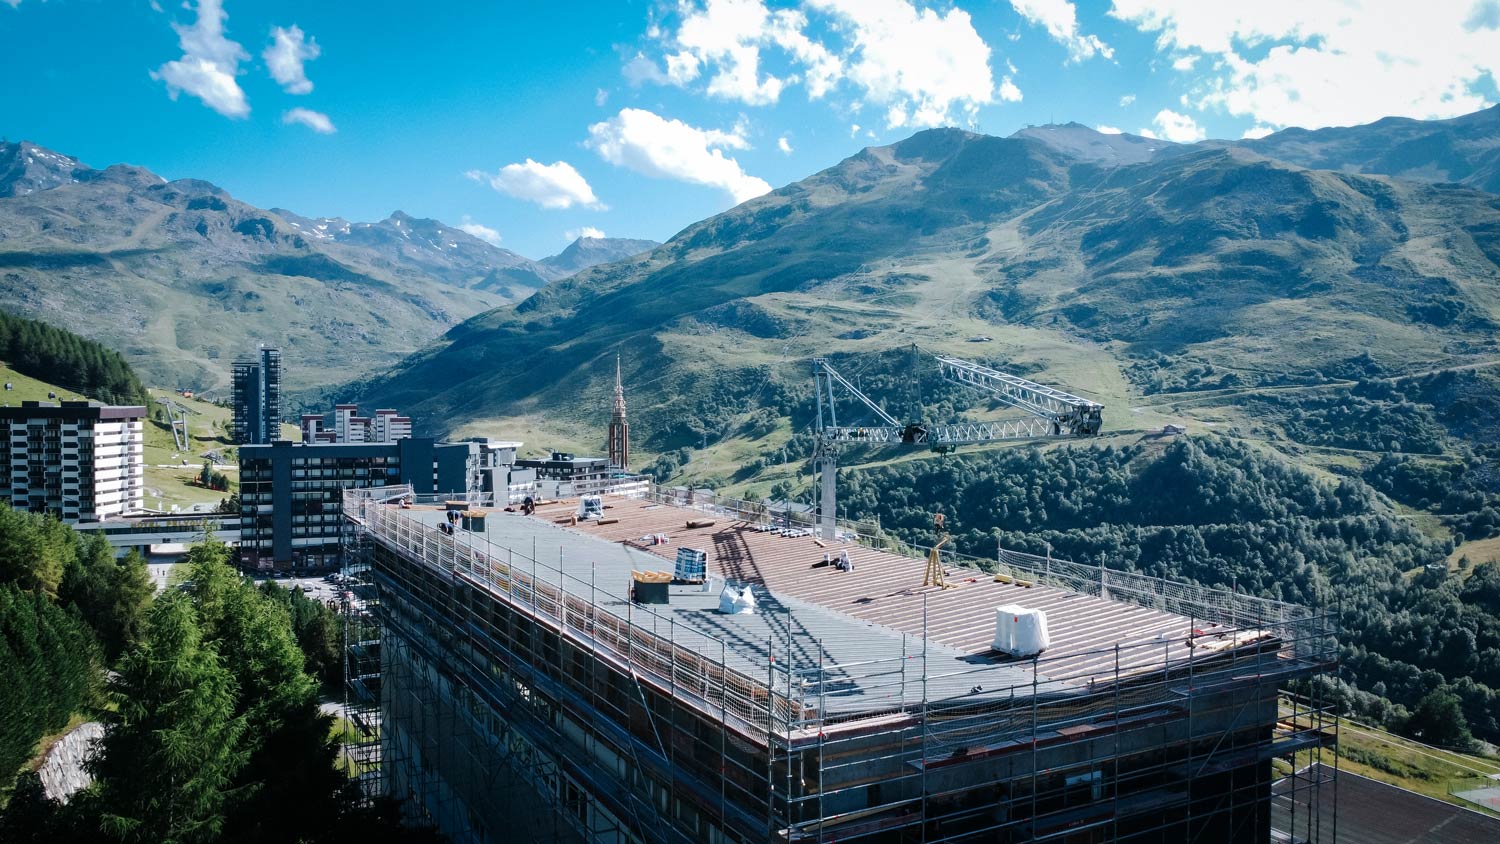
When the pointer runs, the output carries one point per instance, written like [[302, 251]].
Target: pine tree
[[34, 550], [111, 593], [289, 786], [49, 669], [31, 817], [171, 751]]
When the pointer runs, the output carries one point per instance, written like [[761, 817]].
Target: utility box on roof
[[1019, 631]]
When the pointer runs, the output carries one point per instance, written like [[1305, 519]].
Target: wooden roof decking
[[885, 589]]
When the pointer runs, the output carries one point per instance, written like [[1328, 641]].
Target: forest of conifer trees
[[63, 358]]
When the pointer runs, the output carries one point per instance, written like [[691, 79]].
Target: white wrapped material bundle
[[736, 601], [1019, 631]]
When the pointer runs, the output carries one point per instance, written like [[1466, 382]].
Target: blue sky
[[533, 121]]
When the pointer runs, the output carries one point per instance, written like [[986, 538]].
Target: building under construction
[[548, 677]]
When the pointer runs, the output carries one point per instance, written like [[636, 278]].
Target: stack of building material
[[692, 565]]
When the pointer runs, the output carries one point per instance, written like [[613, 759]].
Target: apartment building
[[290, 492], [80, 460], [256, 397], [345, 425], [564, 475]]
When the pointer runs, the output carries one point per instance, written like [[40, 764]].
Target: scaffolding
[[501, 674]]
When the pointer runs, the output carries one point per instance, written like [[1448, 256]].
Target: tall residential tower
[[257, 397]]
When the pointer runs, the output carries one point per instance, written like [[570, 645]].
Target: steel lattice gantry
[[1051, 413], [1070, 415]]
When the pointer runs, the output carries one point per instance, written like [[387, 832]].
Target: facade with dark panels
[[79, 460], [561, 466], [256, 397], [290, 493]]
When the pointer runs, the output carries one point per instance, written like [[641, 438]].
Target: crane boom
[[962, 433], [1052, 413], [1070, 414]]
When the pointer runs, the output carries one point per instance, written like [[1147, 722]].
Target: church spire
[[619, 411], [619, 429]]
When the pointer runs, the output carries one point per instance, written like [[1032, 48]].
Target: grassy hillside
[[171, 476], [1384, 756], [26, 388], [182, 278]]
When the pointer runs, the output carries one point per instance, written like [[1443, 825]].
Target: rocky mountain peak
[[26, 168]]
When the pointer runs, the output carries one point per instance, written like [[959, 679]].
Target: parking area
[[319, 588]]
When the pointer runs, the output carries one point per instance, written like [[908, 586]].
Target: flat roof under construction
[[812, 616], [784, 627], [885, 589]]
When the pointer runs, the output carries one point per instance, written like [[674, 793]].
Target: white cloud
[[1255, 132], [927, 64], [725, 35], [1185, 63], [314, 120], [784, 145], [655, 146], [920, 66], [601, 96], [1312, 64], [1107, 130], [1484, 15], [483, 232], [289, 50], [640, 70], [587, 231], [1008, 91], [553, 186], [821, 69], [1060, 19], [209, 63], [1175, 127], [1147, 133], [724, 40], [1127, 100]]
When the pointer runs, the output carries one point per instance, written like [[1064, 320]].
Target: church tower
[[619, 429]]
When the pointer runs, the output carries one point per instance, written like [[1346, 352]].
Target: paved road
[[315, 587], [162, 572]]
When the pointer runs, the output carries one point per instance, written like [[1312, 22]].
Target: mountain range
[[1099, 261], [183, 278]]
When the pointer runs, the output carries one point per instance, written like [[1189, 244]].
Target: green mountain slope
[[182, 277], [1118, 280], [1462, 149]]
